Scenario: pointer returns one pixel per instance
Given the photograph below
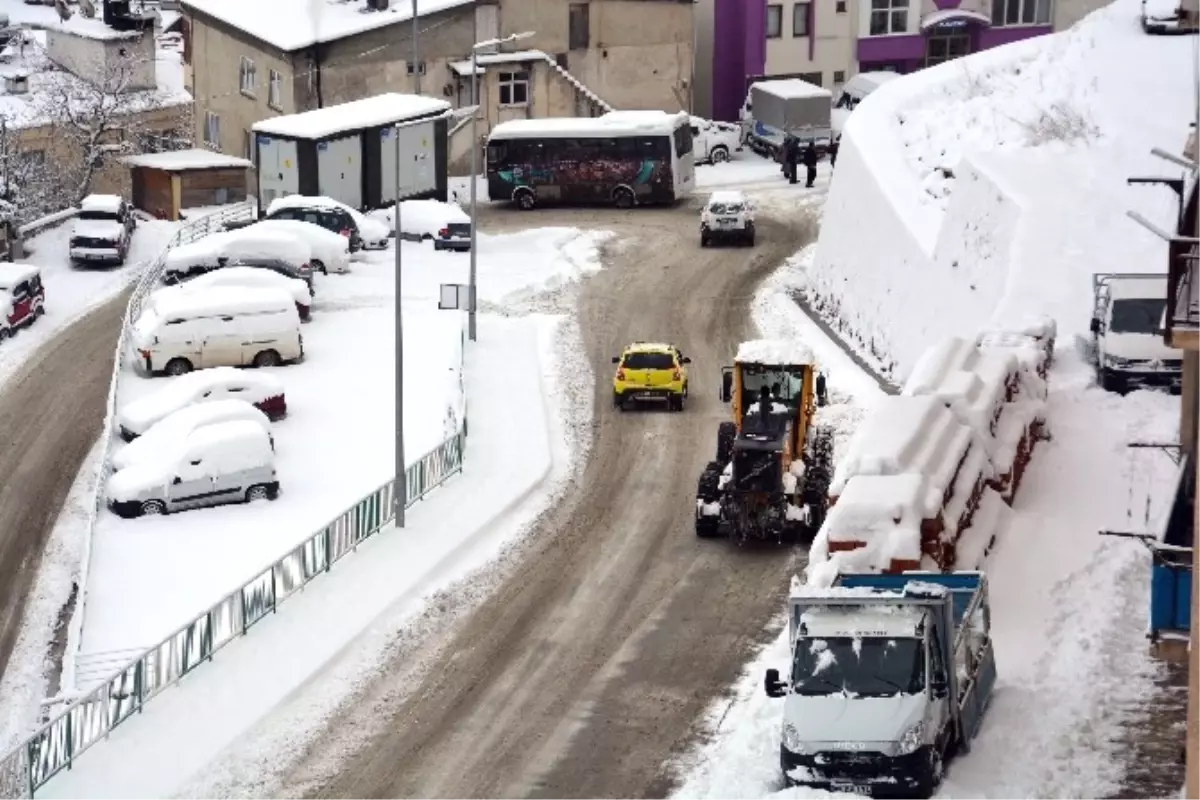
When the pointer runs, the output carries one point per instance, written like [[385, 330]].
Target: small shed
[[166, 183], [349, 152]]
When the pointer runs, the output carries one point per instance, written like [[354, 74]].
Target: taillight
[[678, 375], [144, 353], [444, 233], [620, 374], [345, 232]]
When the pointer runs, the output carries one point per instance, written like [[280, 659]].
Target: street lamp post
[[400, 494], [475, 166], [416, 63]]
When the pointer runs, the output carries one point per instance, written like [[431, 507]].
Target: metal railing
[[89, 719]]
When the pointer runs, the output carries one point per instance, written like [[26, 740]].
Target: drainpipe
[[812, 32], [314, 59]]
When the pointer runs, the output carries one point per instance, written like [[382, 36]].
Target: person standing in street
[[833, 151], [790, 148], [810, 164]]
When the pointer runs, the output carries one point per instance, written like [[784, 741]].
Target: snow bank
[[996, 184], [774, 352]]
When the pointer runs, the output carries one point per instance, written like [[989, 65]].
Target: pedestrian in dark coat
[[810, 163], [789, 157], [833, 151]]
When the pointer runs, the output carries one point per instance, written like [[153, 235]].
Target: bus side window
[[627, 148], [497, 153]]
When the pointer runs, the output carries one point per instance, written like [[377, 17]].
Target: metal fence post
[[328, 550]]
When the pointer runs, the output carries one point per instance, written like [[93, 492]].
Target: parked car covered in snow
[[250, 277], [330, 252], [101, 231], [22, 297], [245, 247], [260, 389], [714, 142], [222, 326], [163, 434], [364, 232], [422, 219], [1127, 319], [227, 462]]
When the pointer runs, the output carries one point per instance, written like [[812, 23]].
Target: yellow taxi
[[650, 372]]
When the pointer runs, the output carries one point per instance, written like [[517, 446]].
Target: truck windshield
[[784, 384], [97, 214], [1137, 315], [867, 666]]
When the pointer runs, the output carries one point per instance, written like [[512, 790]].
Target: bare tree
[[102, 118], [26, 191]]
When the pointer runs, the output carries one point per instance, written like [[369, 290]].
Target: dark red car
[[22, 297]]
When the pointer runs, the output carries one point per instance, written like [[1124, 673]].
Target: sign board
[[454, 297], [950, 24]]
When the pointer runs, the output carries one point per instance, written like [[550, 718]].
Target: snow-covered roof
[[241, 243], [792, 89], [889, 621], [217, 300], [623, 123], [105, 203], [727, 196], [12, 274], [181, 160], [906, 434], [774, 352], [192, 388], [243, 433], [248, 277], [1140, 288], [482, 60], [951, 14], [178, 424], [291, 25], [94, 28], [357, 115], [876, 79]]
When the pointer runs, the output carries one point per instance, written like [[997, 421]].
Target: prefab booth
[[348, 152]]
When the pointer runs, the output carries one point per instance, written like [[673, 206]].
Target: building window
[[889, 17], [840, 6], [247, 77], [514, 88], [800, 18], [579, 28], [275, 91], [946, 47], [774, 21], [1022, 12], [420, 68], [212, 130], [839, 77]]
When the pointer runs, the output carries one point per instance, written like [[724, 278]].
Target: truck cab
[[889, 678], [1127, 322]]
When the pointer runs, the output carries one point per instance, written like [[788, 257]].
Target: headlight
[[791, 739], [1114, 361], [911, 740]]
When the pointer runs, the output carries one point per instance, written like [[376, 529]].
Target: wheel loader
[[770, 478]]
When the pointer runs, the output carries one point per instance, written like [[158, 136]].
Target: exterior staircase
[[598, 105]]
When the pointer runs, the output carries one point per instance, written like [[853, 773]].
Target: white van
[[219, 327], [853, 92], [1127, 322]]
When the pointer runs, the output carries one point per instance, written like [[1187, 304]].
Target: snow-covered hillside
[[997, 183]]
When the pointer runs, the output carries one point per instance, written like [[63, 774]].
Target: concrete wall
[[125, 60]]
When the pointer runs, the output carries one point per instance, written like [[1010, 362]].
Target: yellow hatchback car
[[649, 372]]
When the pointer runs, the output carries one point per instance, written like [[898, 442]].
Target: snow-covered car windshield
[[726, 208], [1140, 315], [872, 666], [94, 214]]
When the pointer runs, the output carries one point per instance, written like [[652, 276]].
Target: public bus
[[625, 158]]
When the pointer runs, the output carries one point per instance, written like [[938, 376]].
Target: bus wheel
[[623, 197], [525, 200]]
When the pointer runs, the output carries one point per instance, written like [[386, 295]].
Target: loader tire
[[708, 491], [726, 433], [818, 472]]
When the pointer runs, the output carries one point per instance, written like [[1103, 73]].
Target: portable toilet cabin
[[348, 152]]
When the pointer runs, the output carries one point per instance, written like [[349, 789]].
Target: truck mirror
[[1096, 325], [774, 686], [822, 390], [178, 480], [726, 385], [940, 688], [616, 359], [685, 360]]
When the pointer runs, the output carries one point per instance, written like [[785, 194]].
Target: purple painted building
[[825, 41]]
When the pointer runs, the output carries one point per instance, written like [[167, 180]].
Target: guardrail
[[88, 720]]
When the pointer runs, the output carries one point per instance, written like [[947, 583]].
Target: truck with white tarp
[[777, 108], [349, 152], [890, 677]]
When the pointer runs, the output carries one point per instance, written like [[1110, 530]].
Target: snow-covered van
[[228, 462], [853, 92], [101, 231], [251, 278], [245, 245], [713, 141], [224, 326], [1127, 324], [162, 435], [22, 297], [260, 389], [889, 678]]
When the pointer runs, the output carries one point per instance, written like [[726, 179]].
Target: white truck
[[1127, 339], [776, 108], [890, 677]]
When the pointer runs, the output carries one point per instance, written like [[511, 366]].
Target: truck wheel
[[526, 201], [931, 776], [178, 366], [818, 471], [719, 154], [675, 402], [623, 197], [708, 491], [703, 240], [726, 433], [1111, 382]]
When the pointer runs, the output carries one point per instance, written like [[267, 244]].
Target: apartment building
[[827, 41], [252, 60]]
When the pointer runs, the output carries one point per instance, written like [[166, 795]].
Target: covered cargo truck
[[348, 152], [777, 108], [890, 677]]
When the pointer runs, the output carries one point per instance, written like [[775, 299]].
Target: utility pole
[[416, 58]]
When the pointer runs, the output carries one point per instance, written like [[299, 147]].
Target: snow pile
[[774, 352], [995, 184]]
